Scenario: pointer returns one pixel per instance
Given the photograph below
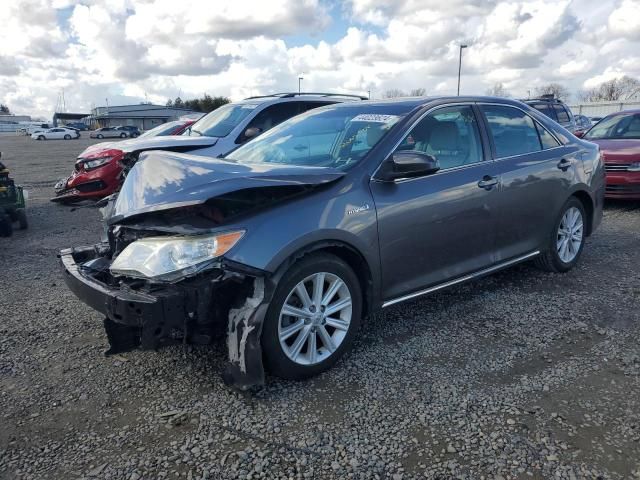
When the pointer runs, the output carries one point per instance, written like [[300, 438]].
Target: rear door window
[[562, 114], [547, 140], [546, 109], [513, 131]]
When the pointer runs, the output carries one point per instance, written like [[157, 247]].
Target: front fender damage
[[245, 369]]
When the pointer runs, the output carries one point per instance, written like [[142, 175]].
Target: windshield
[[161, 130], [335, 137], [222, 120], [616, 127]]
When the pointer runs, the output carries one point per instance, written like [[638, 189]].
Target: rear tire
[[22, 219], [566, 241], [123, 135], [322, 343], [99, 136]]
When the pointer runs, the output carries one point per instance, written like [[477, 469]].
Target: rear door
[[439, 227], [535, 172]]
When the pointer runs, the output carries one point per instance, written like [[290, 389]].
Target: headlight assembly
[[172, 258]]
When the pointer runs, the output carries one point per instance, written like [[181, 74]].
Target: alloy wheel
[[570, 235], [315, 318]]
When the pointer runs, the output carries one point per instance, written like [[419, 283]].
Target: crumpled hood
[[177, 142], [163, 180]]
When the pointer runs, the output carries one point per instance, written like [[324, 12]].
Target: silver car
[[108, 132]]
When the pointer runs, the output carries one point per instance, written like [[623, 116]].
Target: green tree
[[4, 109]]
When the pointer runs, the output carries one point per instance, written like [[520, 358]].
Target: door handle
[[488, 182], [564, 164]]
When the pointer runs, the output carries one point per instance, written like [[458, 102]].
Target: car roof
[[296, 97], [414, 102]]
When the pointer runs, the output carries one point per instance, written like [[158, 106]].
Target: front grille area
[[622, 189], [620, 167], [91, 186]]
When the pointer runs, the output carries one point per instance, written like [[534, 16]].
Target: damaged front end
[[223, 298], [160, 275]]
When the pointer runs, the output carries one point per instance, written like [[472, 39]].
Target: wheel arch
[[348, 254], [589, 208]]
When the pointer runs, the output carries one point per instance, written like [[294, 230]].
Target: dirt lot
[[520, 375]]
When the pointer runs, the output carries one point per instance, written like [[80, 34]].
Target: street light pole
[[460, 66], [300, 83]]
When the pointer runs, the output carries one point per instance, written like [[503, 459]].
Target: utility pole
[[460, 66], [299, 84]]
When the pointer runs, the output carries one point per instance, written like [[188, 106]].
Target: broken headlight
[[171, 258]]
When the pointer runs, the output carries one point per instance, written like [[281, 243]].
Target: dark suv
[[289, 241], [555, 109]]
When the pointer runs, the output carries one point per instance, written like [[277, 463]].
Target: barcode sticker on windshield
[[376, 118]]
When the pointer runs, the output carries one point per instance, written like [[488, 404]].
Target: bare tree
[[623, 88], [394, 93], [498, 90], [418, 92], [557, 90]]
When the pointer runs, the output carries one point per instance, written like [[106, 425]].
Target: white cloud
[[132, 50]]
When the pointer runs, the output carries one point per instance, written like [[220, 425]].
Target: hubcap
[[315, 318], [570, 235]]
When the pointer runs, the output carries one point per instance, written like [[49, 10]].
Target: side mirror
[[252, 132], [579, 133], [407, 164]]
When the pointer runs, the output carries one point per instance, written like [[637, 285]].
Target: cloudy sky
[[132, 50]]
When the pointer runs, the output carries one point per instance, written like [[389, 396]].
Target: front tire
[[67, 137], [567, 239], [41, 137], [313, 317], [123, 135], [6, 225], [99, 136]]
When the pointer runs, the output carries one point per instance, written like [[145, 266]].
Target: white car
[[58, 133]]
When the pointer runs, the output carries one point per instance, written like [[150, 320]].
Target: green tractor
[[12, 203]]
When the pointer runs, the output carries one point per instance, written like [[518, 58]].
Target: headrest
[[444, 136], [373, 135]]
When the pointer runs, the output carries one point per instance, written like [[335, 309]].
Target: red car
[[97, 169], [618, 136]]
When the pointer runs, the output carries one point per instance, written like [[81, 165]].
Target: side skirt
[[471, 276]]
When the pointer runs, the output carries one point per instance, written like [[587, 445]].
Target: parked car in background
[[595, 120], [290, 240], [582, 123], [618, 136], [77, 125], [108, 132], [57, 133], [555, 109], [132, 131], [97, 169]]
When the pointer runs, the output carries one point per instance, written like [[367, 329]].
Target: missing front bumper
[[193, 311]]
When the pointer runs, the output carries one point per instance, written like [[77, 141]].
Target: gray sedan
[[289, 242]]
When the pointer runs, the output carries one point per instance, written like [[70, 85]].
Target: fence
[[602, 109]]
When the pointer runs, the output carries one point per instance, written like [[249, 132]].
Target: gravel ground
[[522, 374]]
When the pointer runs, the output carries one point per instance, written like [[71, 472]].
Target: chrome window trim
[[464, 278]]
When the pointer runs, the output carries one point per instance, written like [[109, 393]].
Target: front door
[[438, 227]]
